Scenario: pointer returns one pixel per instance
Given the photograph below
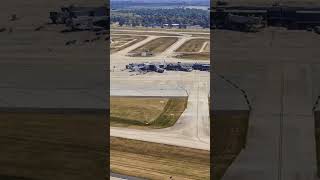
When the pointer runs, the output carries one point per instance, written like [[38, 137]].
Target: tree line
[[159, 17]]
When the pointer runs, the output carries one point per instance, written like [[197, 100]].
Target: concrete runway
[[279, 70], [192, 129]]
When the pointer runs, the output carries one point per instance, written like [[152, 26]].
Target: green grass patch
[[121, 122], [171, 113]]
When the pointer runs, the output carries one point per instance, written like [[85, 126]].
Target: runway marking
[[244, 93], [124, 44], [204, 46]]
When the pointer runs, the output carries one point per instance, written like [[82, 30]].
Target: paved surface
[[279, 70], [192, 129], [175, 46], [204, 46], [37, 69]]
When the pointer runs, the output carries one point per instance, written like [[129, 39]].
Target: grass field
[[193, 45], [158, 161], [229, 131], [137, 109], [51, 146], [123, 41], [146, 112], [194, 56], [158, 45]]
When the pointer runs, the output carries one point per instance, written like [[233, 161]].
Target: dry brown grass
[[51, 146], [137, 108], [191, 50], [122, 39], [193, 45], [146, 112], [158, 45], [158, 161]]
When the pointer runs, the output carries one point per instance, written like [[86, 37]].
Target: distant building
[[175, 25], [172, 25]]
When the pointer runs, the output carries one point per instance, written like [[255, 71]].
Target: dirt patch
[[158, 161], [229, 132]]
